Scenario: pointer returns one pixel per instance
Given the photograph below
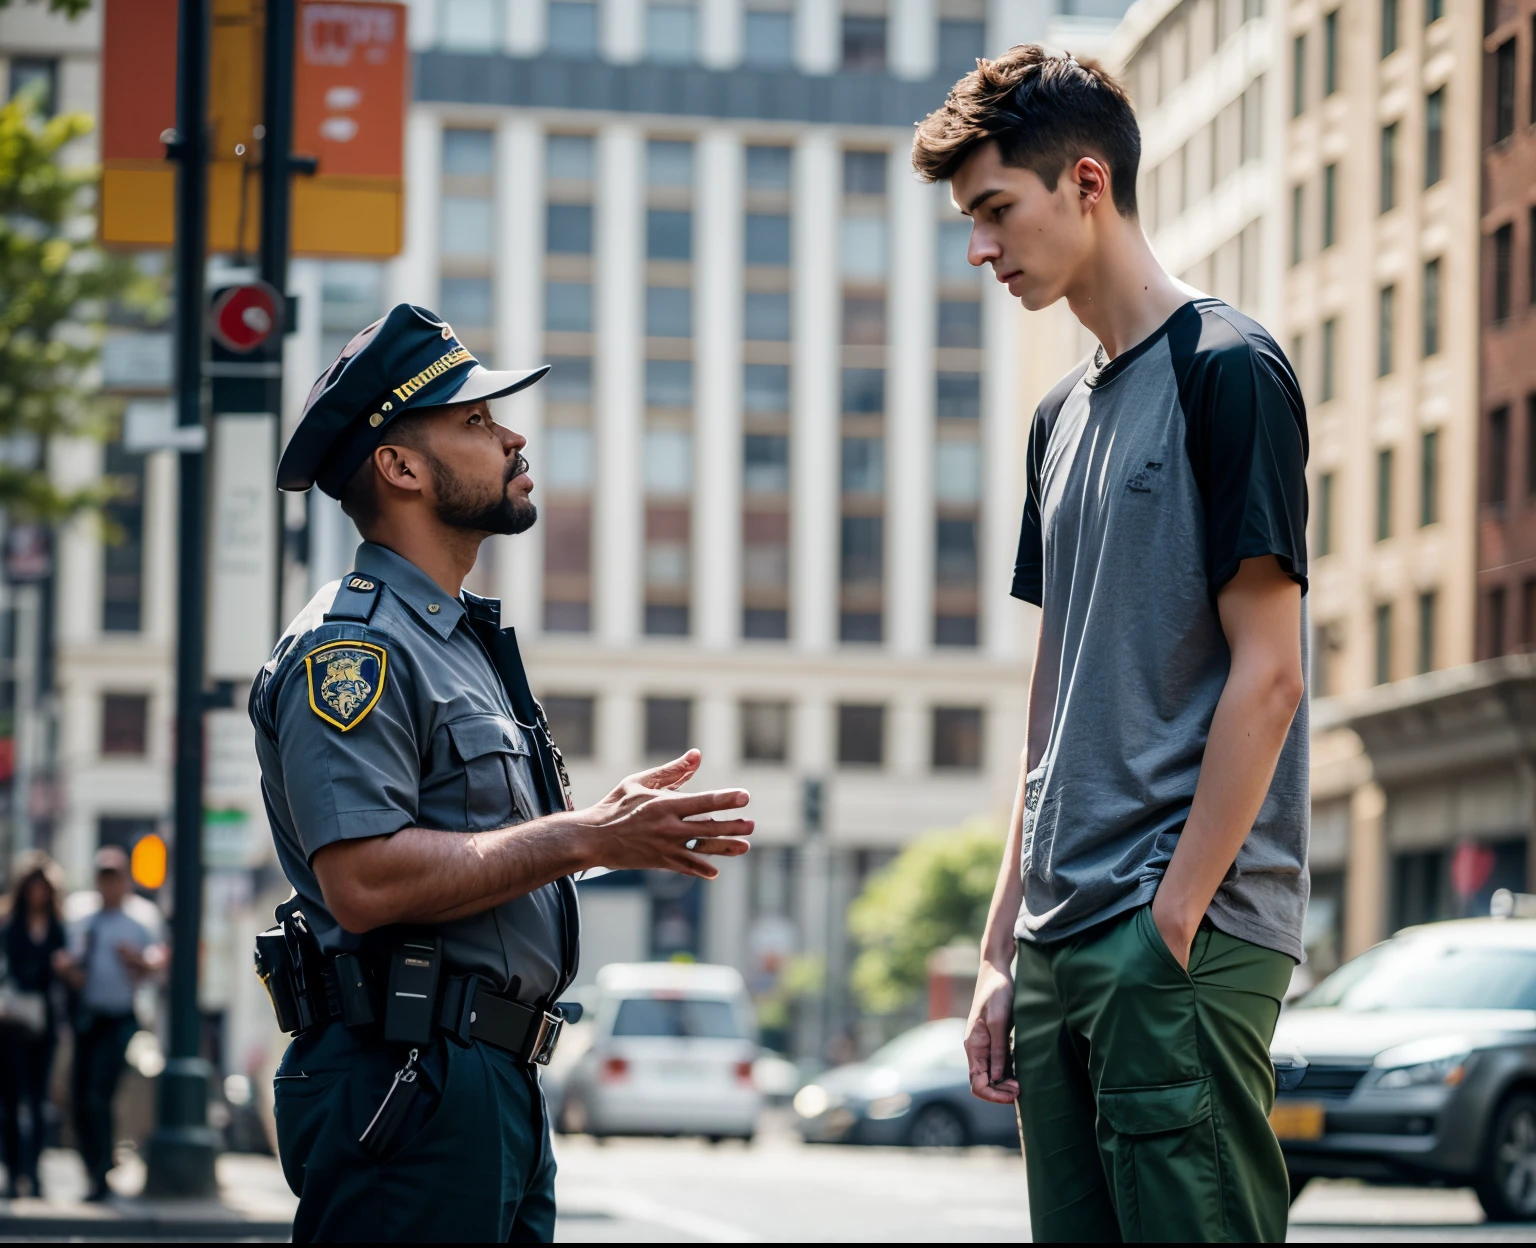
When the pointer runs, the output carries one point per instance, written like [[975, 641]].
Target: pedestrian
[[34, 938], [420, 811], [1155, 876], [113, 949]]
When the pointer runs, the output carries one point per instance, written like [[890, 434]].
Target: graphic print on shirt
[[346, 680]]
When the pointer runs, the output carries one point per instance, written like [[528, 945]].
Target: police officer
[[420, 812]]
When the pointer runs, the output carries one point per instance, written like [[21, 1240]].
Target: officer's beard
[[461, 506]]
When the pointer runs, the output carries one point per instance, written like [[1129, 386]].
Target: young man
[[1155, 876]]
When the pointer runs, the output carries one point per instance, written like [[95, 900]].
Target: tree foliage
[[55, 288], [70, 8], [934, 893]]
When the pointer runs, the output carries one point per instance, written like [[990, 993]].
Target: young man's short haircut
[[1043, 111]]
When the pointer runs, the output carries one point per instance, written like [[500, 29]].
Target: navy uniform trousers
[[473, 1161]]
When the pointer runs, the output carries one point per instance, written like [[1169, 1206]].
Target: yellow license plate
[[1297, 1120]]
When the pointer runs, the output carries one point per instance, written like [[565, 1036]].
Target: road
[[779, 1190]]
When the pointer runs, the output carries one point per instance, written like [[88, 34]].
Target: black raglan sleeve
[[1246, 437], [1029, 563]]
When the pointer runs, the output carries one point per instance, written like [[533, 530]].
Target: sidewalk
[[254, 1203]]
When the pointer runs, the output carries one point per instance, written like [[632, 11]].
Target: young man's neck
[[1122, 294], [444, 553]]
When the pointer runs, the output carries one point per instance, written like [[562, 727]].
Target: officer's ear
[[400, 466]]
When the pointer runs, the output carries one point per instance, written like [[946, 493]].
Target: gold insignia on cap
[[447, 332], [433, 371], [346, 680], [389, 407], [376, 420]]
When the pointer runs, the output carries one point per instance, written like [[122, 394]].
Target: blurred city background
[[779, 461]]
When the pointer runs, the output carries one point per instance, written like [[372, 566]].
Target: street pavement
[[777, 1189]]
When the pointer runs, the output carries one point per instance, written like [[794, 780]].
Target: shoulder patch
[[346, 679]]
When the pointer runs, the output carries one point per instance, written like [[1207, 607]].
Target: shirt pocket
[[497, 771]]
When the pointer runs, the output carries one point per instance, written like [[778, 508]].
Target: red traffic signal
[[245, 317]]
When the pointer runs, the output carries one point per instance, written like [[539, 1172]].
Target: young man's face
[[478, 477], [1035, 237]]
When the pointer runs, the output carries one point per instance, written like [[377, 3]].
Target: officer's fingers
[[685, 804], [668, 775], [718, 827], [691, 864], [723, 846]]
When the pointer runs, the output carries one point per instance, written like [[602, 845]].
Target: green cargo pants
[[1145, 1089]]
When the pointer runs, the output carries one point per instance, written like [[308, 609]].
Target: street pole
[[183, 1146]]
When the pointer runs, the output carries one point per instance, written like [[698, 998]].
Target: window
[[1298, 75], [768, 40], [125, 724], [957, 471], [863, 553], [668, 726], [1431, 333], [667, 466], [671, 34], [1388, 189], [955, 560], [668, 312], [572, 28], [1330, 205], [765, 732], [1429, 477], [863, 390], [1497, 489], [1427, 606], [1504, 90], [122, 590], [1330, 351], [769, 168], [860, 735], [1331, 53], [568, 307], [766, 316], [567, 460], [466, 301], [668, 234], [864, 44], [1383, 494], [1298, 358], [1251, 112], [765, 463], [1496, 612], [1388, 27], [767, 239], [572, 724], [864, 250], [668, 162], [957, 738], [1386, 304], [568, 229], [570, 157], [38, 77], [863, 469], [864, 173], [1298, 224], [569, 380], [959, 396], [1530, 446], [765, 387], [959, 323], [468, 153], [465, 227], [468, 25], [1383, 642], [1503, 274], [1530, 235], [1434, 137], [1434, 10], [1528, 614], [954, 245], [1323, 539], [960, 43], [864, 322], [669, 383]]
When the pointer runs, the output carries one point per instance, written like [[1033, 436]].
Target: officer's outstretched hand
[[645, 824]]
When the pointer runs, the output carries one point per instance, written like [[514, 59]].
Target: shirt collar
[[434, 606]]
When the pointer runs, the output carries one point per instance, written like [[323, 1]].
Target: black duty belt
[[468, 1011]]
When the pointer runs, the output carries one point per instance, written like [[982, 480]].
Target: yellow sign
[[1298, 1120]]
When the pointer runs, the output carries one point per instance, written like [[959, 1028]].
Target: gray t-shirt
[[95, 939], [1150, 477]]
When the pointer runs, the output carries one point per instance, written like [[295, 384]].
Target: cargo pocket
[[497, 778], [1166, 1174]]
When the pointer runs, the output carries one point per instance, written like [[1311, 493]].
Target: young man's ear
[[1092, 180]]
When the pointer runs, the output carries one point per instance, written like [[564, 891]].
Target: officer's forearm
[[419, 875]]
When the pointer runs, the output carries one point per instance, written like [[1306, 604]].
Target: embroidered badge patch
[[346, 679]]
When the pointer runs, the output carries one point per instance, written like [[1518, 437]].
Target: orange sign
[[351, 75]]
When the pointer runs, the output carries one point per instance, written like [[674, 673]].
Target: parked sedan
[[1420, 1065], [916, 1090]]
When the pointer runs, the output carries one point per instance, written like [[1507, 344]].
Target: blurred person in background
[[114, 946], [34, 937]]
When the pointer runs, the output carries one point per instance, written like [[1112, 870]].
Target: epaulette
[[355, 600]]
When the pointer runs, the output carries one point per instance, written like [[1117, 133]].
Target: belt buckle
[[550, 1026]]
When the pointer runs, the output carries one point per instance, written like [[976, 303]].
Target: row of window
[[1328, 644], [1499, 464], [1391, 16], [672, 34], [1501, 268], [1500, 78], [1326, 377], [1222, 147], [1190, 37], [1327, 501], [955, 732]]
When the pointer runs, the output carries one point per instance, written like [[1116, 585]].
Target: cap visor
[[486, 383]]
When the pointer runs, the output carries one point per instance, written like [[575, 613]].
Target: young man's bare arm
[[1260, 611], [991, 1018], [421, 875]]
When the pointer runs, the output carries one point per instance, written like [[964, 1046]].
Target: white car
[[664, 1048]]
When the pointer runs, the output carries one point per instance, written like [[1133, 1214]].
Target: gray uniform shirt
[[363, 729], [1150, 478]]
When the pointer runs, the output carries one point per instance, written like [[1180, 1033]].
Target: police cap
[[407, 361]]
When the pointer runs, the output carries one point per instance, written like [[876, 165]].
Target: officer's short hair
[[360, 496], [1043, 111]]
